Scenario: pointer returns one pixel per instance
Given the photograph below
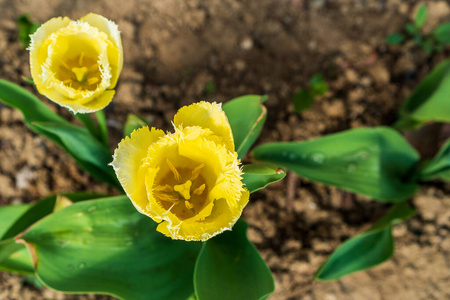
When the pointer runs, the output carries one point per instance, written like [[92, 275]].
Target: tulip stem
[[103, 126]]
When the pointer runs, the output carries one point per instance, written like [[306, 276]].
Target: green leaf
[[428, 46], [43, 121], [88, 122], [373, 162], [106, 246], [257, 177], [26, 27], [442, 33], [13, 257], [246, 115], [303, 100], [395, 39], [229, 267], [318, 85], [429, 102], [18, 261], [411, 29], [421, 16], [133, 122], [41, 209], [366, 250], [89, 153], [9, 214], [438, 167], [29, 105]]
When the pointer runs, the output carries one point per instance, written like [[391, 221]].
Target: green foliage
[[13, 257], [25, 27], [429, 102], [210, 88], [15, 219], [433, 42], [438, 167], [229, 267], [246, 115], [304, 98], [257, 177], [9, 215], [373, 162], [87, 151], [442, 33], [133, 122], [76, 141], [106, 246], [367, 249], [421, 16], [395, 39]]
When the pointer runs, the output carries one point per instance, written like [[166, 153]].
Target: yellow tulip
[[188, 181], [77, 63]]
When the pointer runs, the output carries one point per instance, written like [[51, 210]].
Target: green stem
[[103, 127]]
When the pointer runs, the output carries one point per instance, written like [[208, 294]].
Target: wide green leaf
[[13, 257], [9, 214], [429, 102], [438, 167], [89, 152], [41, 209], [373, 162], [133, 122], [366, 250], [246, 115], [106, 246], [442, 33], [257, 177], [229, 267]]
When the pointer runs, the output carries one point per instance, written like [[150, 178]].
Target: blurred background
[[179, 52]]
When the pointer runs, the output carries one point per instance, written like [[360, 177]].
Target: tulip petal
[[206, 115], [115, 54], [127, 163], [221, 218], [39, 54]]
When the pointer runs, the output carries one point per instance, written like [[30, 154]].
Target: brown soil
[[175, 49]]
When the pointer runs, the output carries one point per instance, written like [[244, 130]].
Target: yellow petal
[[38, 53], [127, 163], [221, 218], [206, 115], [115, 53], [95, 104]]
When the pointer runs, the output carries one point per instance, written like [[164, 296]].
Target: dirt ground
[[180, 52]]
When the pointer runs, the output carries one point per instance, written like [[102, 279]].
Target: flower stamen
[[198, 191], [176, 175], [196, 172]]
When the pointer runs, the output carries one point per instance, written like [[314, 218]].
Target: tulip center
[[182, 190], [80, 72]]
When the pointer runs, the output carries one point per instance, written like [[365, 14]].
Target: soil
[[180, 52]]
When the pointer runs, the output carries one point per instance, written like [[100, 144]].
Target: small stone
[[334, 108], [246, 43], [380, 74], [351, 76]]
